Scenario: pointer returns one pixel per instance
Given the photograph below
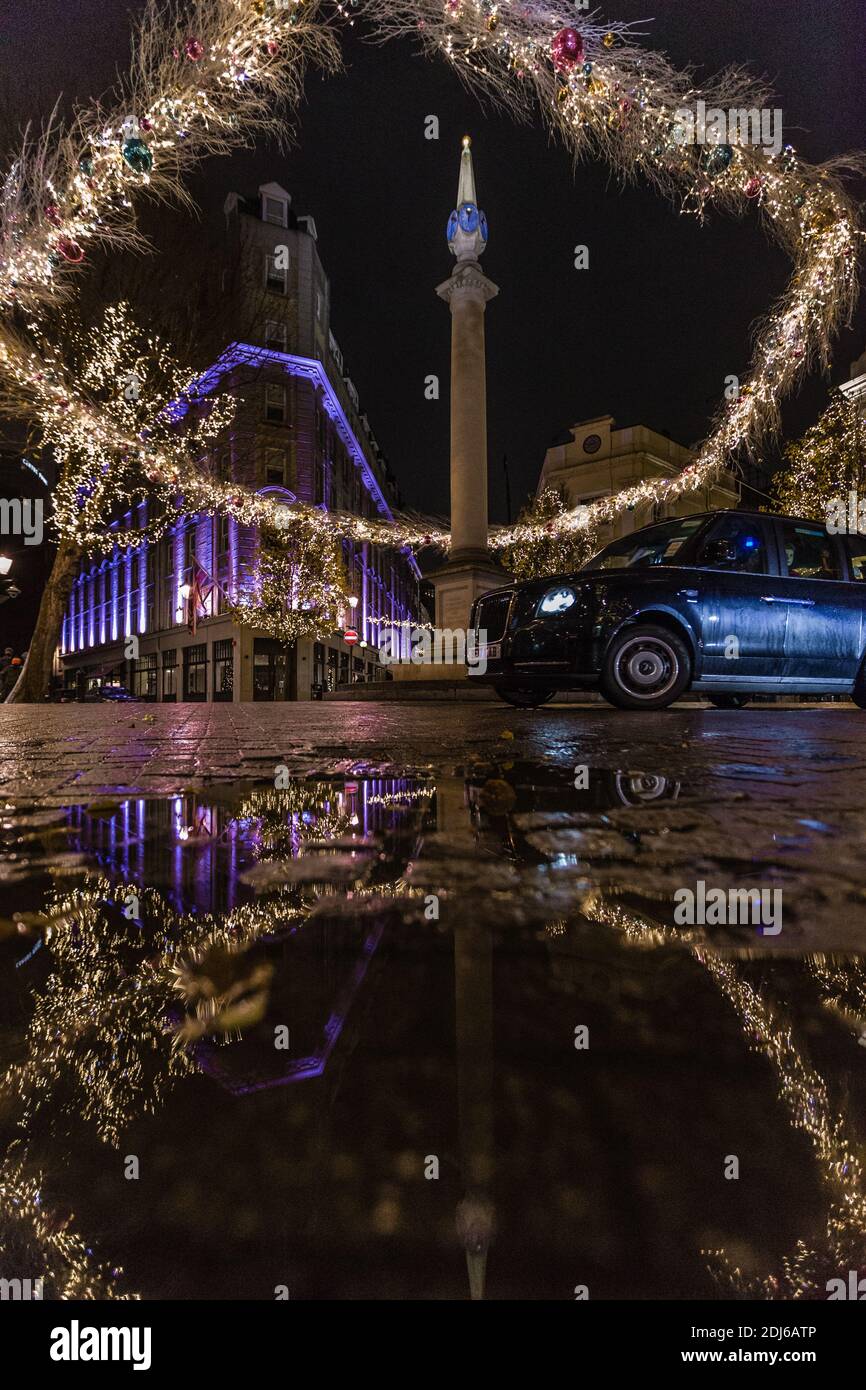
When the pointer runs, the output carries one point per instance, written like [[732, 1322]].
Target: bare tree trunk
[[34, 683]]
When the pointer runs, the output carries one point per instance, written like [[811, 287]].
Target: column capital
[[467, 278]]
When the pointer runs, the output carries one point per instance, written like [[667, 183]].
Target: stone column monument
[[470, 569]]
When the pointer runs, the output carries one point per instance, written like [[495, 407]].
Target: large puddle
[[403, 1039]]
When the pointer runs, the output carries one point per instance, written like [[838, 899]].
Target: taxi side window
[[735, 543], [809, 552], [856, 549]]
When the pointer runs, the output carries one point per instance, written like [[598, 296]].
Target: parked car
[[729, 603], [116, 694]]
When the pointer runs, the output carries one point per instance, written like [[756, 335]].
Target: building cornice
[[309, 369]]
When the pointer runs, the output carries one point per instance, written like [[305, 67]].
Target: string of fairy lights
[[203, 79]]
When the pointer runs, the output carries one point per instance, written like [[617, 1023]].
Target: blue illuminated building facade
[[299, 434]]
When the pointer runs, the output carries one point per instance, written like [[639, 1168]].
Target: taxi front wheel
[[645, 667]]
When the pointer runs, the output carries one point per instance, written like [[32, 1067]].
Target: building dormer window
[[275, 210]]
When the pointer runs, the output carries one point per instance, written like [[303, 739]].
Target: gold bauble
[[561, 96], [492, 23], [609, 40]]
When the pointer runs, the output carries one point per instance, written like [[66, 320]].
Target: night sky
[[647, 334]]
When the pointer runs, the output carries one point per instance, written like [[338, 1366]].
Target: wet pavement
[[428, 1017]]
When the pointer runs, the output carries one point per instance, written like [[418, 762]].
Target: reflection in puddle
[[323, 1037]]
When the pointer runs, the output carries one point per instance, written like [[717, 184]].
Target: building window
[[223, 670], [319, 666], [319, 306], [195, 672], [275, 404], [222, 535], [275, 335], [169, 675], [189, 546], [275, 210], [275, 467], [144, 677], [276, 273]]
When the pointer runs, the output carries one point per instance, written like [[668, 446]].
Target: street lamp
[[353, 602], [185, 590], [6, 565]]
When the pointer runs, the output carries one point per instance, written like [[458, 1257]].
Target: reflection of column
[[473, 1012]]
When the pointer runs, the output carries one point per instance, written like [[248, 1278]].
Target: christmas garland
[[206, 77]]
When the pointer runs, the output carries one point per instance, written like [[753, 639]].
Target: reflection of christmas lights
[[805, 1095]]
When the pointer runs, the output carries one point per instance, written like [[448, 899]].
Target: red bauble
[[145, 124], [70, 250], [52, 213], [566, 50], [194, 50], [273, 48], [753, 187]]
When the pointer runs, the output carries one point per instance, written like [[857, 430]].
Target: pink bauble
[[566, 50], [273, 48], [70, 250], [753, 187], [52, 213], [194, 50]]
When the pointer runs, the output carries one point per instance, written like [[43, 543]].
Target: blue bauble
[[467, 216], [137, 155]]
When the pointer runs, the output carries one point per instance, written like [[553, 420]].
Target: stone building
[[299, 434], [597, 460]]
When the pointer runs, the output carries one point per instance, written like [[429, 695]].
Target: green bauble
[[716, 159], [137, 155], [85, 164]]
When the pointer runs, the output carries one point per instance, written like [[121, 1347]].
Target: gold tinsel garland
[[204, 77]]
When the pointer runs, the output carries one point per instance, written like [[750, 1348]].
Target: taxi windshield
[[653, 545]]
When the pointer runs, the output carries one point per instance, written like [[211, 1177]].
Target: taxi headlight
[[557, 601]]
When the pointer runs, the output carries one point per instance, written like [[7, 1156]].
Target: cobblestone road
[[814, 755]]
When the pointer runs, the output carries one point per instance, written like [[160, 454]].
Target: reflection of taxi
[[731, 604]]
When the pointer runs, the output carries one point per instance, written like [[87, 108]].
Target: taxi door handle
[[798, 602]]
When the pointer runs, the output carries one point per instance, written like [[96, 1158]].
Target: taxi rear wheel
[[524, 699], [645, 667]]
